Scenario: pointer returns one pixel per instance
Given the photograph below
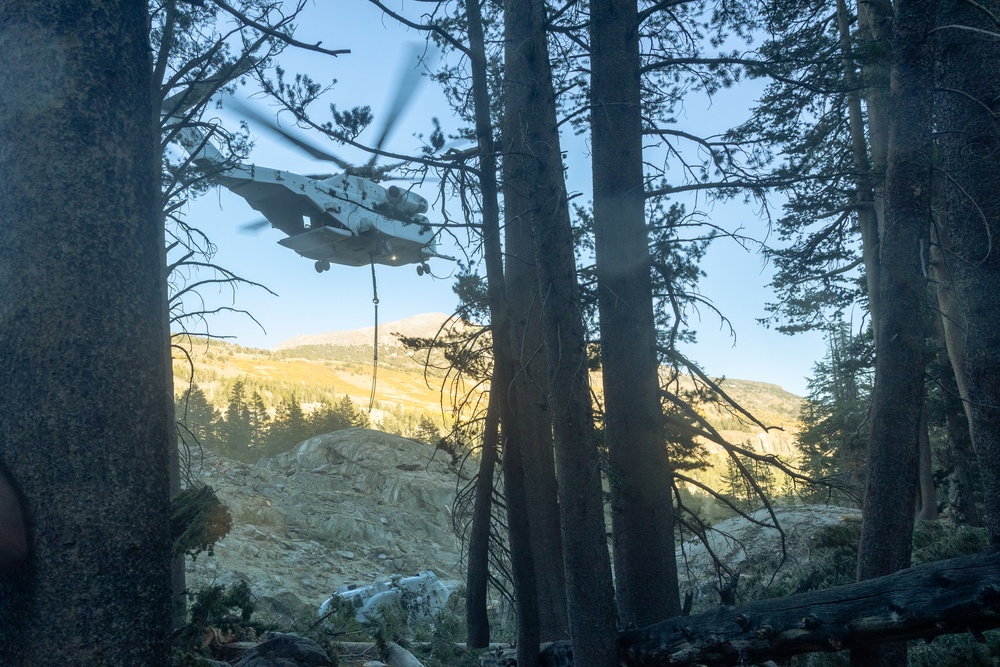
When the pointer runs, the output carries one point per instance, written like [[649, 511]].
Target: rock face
[[753, 552], [343, 508]]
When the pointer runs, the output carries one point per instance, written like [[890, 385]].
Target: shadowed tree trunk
[[533, 164], [898, 395], [478, 559], [502, 395], [534, 418], [875, 19], [477, 582], [968, 103], [86, 425], [641, 502]]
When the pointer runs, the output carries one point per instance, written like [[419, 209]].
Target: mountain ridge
[[323, 368], [424, 325]]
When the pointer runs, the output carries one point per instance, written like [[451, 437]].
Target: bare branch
[[267, 30]]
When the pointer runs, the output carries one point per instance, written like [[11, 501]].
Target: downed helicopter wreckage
[[420, 597]]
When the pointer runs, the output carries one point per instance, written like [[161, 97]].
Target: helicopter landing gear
[[322, 265], [422, 269]]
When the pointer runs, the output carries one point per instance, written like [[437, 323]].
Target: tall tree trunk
[[875, 21], [477, 562], [534, 418], [86, 425], [641, 502], [477, 582], [502, 397], [863, 181], [875, 40], [950, 334], [534, 163], [926, 495], [968, 105], [960, 457], [898, 395]]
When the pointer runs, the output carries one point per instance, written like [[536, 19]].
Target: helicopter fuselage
[[344, 219]]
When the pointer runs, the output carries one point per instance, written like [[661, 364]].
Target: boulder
[[285, 650]]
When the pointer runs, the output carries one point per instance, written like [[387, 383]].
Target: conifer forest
[[864, 148]]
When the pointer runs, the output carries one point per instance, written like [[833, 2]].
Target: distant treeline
[[247, 430]]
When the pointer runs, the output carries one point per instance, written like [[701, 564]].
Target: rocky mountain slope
[[357, 505], [349, 507]]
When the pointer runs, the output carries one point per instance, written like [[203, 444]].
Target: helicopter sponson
[[420, 597]]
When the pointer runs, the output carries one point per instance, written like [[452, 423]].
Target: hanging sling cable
[[371, 398]]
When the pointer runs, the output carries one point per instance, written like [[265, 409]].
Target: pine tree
[[259, 422], [199, 420], [289, 427], [329, 418], [236, 431], [834, 438], [427, 431]]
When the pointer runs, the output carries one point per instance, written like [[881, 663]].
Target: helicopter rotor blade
[[277, 130], [406, 86], [254, 227]]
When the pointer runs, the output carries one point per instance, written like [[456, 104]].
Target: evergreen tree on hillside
[[342, 414], [236, 431], [746, 481], [198, 420], [834, 435], [258, 421], [289, 427], [427, 431]]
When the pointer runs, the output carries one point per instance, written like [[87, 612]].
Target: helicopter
[[342, 218]]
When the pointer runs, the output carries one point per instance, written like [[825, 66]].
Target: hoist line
[[371, 398]]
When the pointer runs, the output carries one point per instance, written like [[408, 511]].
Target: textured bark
[[960, 458], [951, 596], [864, 181], [531, 387], [926, 494], [502, 398], [949, 371], [927, 505], [897, 398], [875, 41], [477, 562], [534, 419], [639, 475], [85, 430], [870, 195], [533, 160], [968, 104], [477, 582]]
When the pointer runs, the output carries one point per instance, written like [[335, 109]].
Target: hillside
[[325, 367], [321, 368], [343, 508]]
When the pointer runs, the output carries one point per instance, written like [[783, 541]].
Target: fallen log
[[947, 597], [950, 596]]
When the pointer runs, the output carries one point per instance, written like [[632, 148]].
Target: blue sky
[[341, 298]]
